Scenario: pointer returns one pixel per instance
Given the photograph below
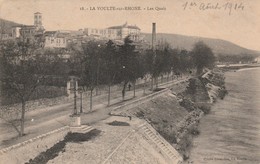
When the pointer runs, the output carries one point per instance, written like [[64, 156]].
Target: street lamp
[[74, 89], [75, 118], [81, 92], [75, 112]]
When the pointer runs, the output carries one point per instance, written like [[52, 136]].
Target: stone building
[[257, 59], [116, 32], [55, 39], [29, 32], [127, 30], [16, 32]]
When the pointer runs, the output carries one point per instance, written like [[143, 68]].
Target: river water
[[231, 132]]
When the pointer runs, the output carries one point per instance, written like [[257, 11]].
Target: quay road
[[41, 121]]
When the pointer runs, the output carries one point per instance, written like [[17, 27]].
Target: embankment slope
[[175, 114]]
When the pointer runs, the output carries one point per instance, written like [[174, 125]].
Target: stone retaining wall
[[24, 151]]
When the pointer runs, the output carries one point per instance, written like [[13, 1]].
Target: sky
[[233, 20]]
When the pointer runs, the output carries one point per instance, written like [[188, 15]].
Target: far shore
[[235, 67]]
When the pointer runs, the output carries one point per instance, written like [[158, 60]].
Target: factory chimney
[[154, 36]]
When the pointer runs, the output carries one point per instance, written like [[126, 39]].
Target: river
[[231, 132]]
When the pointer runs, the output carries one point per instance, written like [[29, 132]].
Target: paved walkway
[[41, 121]]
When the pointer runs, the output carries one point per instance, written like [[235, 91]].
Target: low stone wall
[[24, 151], [11, 110]]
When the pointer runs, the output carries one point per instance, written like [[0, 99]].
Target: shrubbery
[[118, 123], [168, 136], [187, 104], [205, 108], [53, 152], [222, 93]]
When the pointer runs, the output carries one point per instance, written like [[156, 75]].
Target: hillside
[[186, 42], [5, 25]]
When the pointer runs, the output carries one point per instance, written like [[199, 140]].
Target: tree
[[111, 65], [23, 69], [149, 64], [202, 56], [129, 63], [158, 61], [166, 60], [92, 52], [2, 29]]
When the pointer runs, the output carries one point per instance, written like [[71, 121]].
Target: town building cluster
[[62, 38]]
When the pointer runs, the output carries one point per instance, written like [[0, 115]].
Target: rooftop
[[124, 26]]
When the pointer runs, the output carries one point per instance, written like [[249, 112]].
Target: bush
[[168, 136], [187, 104], [194, 131], [185, 145], [205, 108], [139, 114], [191, 89], [118, 123], [158, 89], [222, 93], [54, 151]]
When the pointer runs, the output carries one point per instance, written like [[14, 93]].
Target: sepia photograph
[[129, 82]]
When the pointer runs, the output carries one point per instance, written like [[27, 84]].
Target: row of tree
[[96, 63], [25, 66], [232, 59]]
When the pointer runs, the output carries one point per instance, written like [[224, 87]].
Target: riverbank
[[176, 114], [235, 67], [230, 132], [199, 96]]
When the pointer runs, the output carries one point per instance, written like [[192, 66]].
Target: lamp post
[[75, 96], [75, 118], [123, 91], [81, 92], [74, 89]]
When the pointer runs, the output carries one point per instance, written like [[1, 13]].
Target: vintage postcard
[[130, 81]]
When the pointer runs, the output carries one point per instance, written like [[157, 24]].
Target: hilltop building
[[56, 39], [38, 20], [27, 32], [257, 59], [61, 38], [5, 36], [16, 32], [116, 32]]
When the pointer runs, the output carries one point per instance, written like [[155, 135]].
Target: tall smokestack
[[154, 36]]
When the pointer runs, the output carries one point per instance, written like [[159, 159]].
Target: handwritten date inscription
[[228, 6]]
